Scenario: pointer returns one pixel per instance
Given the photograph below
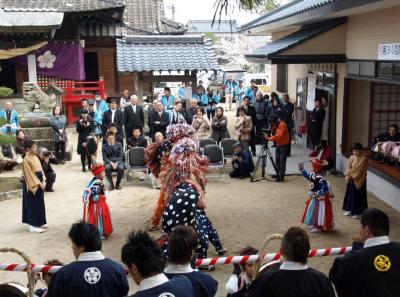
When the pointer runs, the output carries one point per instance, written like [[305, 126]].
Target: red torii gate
[[75, 91]]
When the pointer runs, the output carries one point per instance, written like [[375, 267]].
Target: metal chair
[[136, 162], [226, 145], [215, 155]]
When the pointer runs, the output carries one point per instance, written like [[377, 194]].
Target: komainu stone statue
[[36, 99]]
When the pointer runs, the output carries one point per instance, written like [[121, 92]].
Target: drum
[[13, 290]]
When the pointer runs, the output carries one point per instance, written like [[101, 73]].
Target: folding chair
[[136, 162], [215, 155], [226, 145], [206, 141]]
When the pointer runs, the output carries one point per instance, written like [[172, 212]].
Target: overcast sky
[[204, 10]]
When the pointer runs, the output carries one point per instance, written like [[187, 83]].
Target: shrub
[[4, 139], [6, 92]]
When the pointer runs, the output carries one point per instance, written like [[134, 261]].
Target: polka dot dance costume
[[182, 210]]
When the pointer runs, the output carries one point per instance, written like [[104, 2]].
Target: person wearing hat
[[280, 135], [95, 208], [355, 199], [318, 213], [316, 121], [242, 163], [84, 127]]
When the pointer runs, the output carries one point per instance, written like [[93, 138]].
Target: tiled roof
[[223, 26], [148, 17], [60, 5], [284, 43], [165, 53], [285, 11]]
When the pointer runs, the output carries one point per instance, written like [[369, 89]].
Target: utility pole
[[172, 7]]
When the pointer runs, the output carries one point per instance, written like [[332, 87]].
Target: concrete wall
[[366, 31], [360, 101], [330, 42]]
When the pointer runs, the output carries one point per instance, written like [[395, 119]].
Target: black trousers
[[120, 173], [60, 150], [281, 154], [253, 140], [50, 180], [85, 156]]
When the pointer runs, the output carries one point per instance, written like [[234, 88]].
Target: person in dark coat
[[143, 258], [242, 162], [191, 112], [92, 275], [136, 140], [374, 269], [20, 145], [158, 120], [219, 126], [44, 157], [118, 137], [285, 113], [262, 109], [250, 111], [133, 116], [84, 127], [113, 116], [113, 157], [392, 134], [316, 121], [182, 244], [294, 277]]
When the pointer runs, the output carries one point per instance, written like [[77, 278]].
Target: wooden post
[[139, 87], [32, 67], [194, 81]]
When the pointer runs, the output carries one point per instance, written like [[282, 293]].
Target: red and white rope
[[199, 262]]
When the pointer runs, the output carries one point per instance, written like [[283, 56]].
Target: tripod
[[262, 160]]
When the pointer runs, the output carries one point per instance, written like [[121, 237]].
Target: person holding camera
[[242, 162], [280, 135], [219, 126], [59, 124], [243, 128], [44, 156]]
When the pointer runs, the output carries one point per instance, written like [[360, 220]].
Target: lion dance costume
[[182, 172]]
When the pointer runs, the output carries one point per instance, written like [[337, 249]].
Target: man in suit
[[316, 121], [285, 113], [113, 157], [133, 116], [250, 111], [191, 112], [176, 114], [115, 116], [158, 120]]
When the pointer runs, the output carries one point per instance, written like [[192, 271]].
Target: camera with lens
[[262, 133]]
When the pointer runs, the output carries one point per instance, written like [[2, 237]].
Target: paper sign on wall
[[389, 51], [312, 82]]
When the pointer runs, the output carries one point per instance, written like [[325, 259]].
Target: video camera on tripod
[[262, 134]]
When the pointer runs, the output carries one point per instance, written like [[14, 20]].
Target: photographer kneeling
[[280, 135], [44, 156], [242, 162]]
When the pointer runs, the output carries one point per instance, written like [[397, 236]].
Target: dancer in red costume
[[95, 208]]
